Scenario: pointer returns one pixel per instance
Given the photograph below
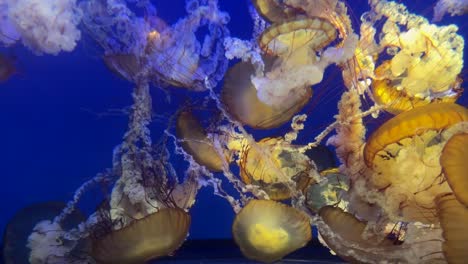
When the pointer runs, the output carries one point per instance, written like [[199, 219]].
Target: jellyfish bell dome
[[267, 231], [155, 235]]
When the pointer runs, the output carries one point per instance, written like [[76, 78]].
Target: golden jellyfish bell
[[396, 100], [298, 34], [274, 166], [413, 122], [125, 66], [454, 222], [153, 236], [454, 162], [345, 227], [267, 231], [196, 143], [240, 97], [273, 10], [404, 155]]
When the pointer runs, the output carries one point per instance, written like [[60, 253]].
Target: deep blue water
[[54, 137]]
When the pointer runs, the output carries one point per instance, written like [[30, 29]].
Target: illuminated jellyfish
[[454, 7], [155, 235], [167, 55], [425, 63], [267, 231], [240, 98], [453, 162], [328, 191], [195, 142], [453, 219], [274, 10], [281, 173], [404, 155], [22, 224], [295, 42], [43, 26]]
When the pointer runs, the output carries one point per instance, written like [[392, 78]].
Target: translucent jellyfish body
[[267, 231], [241, 100], [156, 235], [454, 222], [273, 10], [275, 166], [328, 191], [404, 154], [454, 162], [425, 63], [195, 142]]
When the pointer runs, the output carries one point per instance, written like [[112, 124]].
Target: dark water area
[[61, 117]]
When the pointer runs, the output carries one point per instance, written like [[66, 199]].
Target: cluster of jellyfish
[[398, 195]]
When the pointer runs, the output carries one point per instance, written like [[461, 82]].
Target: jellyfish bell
[[274, 10], [346, 235], [396, 99], [241, 99], [126, 66], [267, 231], [195, 141], [455, 167], [155, 235], [278, 170], [404, 155], [327, 192], [454, 222]]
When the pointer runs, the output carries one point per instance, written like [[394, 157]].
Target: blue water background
[[53, 136]]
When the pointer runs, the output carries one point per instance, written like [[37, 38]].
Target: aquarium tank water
[[233, 131]]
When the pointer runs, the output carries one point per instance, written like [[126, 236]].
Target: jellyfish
[[241, 100], [404, 154], [297, 67], [43, 26], [19, 228], [267, 231], [155, 235], [281, 174], [327, 192], [195, 142], [453, 219], [274, 10], [425, 63], [453, 161], [454, 7]]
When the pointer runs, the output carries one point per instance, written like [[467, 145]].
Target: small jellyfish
[[20, 227], [454, 222], [155, 235], [194, 140], [275, 172], [274, 10], [404, 155], [267, 231], [299, 34], [241, 100], [454, 162], [345, 235], [328, 191]]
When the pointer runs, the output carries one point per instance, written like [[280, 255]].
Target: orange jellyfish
[[275, 172], [241, 100], [267, 231], [404, 156], [345, 235], [195, 142], [454, 222], [454, 162], [155, 235], [274, 10]]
